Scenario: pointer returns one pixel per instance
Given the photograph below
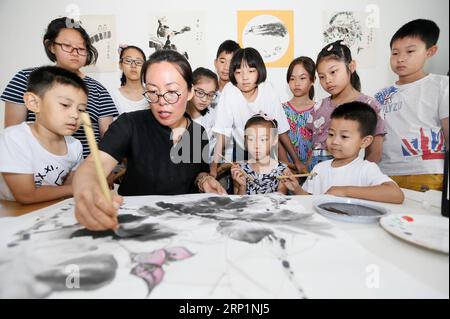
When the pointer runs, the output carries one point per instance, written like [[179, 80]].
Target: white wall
[[22, 25]]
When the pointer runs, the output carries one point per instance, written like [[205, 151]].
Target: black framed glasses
[[130, 61], [170, 97], [69, 49], [201, 94]]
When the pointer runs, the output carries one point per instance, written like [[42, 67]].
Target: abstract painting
[[270, 32], [358, 32], [180, 32], [102, 31], [191, 246]]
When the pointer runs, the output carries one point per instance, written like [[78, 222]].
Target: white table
[[429, 268]]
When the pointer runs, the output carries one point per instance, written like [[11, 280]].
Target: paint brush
[[94, 151], [228, 162], [310, 175]]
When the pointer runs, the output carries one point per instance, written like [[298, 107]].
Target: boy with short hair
[[415, 110], [352, 128], [222, 62], [37, 159]]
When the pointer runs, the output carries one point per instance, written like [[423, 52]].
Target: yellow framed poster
[[271, 32]]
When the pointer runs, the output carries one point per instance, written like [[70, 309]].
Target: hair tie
[[121, 47]]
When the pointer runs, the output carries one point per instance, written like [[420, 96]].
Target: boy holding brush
[[347, 175], [37, 159]]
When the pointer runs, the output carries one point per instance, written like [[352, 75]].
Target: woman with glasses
[[68, 45], [199, 108], [129, 97], [166, 150]]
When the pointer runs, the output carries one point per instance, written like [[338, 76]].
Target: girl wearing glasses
[[128, 97], [164, 147], [199, 108], [68, 45]]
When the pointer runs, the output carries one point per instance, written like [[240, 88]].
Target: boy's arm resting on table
[[388, 192], [14, 113], [25, 191], [92, 209], [287, 144], [375, 150]]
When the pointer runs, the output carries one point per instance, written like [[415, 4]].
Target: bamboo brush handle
[[94, 151]]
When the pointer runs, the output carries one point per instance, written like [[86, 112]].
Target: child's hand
[[211, 185], [238, 175], [301, 168], [291, 183], [339, 191]]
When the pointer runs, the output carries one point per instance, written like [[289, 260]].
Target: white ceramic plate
[[350, 210], [426, 231]]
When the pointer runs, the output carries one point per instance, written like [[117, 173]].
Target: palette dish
[[431, 232], [350, 210]]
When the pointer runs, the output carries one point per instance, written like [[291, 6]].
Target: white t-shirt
[[124, 104], [233, 111], [207, 121], [21, 152], [357, 173], [414, 143]]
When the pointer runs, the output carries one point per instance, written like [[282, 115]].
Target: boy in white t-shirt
[[37, 159], [415, 109], [351, 129]]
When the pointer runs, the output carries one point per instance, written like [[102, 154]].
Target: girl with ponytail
[[336, 70]]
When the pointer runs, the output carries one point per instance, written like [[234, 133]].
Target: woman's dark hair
[[52, 33], [253, 59], [339, 51], [310, 67], [123, 79], [173, 57], [200, 73]]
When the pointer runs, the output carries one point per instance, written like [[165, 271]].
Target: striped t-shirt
[[100, 103]]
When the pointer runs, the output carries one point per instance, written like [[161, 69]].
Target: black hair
[[227, 46], [123, 79], [309, 66], [425, 30], [359, 112], [200, 73], [173, 57], [53, 30], [253, 59], [339, 51], [261, 120], [42, 79]]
